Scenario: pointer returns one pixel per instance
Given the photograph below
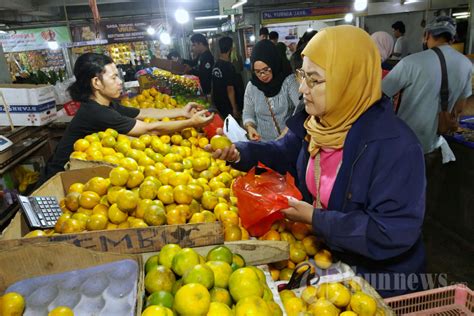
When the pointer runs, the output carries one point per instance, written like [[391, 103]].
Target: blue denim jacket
[[376, 208]]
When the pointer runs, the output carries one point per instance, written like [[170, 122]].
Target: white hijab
[[384, 42]]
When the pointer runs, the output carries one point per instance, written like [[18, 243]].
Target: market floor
[[448, 253]]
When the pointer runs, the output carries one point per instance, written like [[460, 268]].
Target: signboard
[[304, 14], [34, 39], [132, 30], [87, 34], [225, 7]]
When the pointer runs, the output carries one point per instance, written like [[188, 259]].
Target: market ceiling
[[30, 13]]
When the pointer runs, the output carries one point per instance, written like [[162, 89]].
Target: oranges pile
[[158, 180], [332, 299], [303, 246], [151, 98], [183, 282]]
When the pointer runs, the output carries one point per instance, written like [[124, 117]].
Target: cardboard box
[[30, 105], [168, 65], [41, 259], [133, 240]]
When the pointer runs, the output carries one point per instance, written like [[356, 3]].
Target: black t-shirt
[[90, 118], [203, 70], [223, 75]]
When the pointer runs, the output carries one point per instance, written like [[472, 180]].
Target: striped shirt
[[283, 105]]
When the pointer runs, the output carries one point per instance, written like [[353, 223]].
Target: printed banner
[[34, 39], [291, 15], [132, 30]]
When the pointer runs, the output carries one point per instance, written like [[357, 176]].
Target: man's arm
[[233, 102], [199, 119], [159, 114]]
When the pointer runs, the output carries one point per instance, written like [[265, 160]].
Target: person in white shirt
[[400, 49]]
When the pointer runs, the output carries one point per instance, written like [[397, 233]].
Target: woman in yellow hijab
[[360, 169]]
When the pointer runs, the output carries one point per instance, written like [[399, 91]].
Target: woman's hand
[[230, 154], [253, 134], [299, 211], [199, 119]]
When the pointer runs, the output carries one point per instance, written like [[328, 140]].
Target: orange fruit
[[76, 187], [59, 223], [220, 142], [108, 141], [310, 244], [116, 216], [184, 260], [165, 175], [294, 306], [300, 230], [127, 201], [201, 274], [220, 253], [118, 176], [297, 253], [182, 194], [89, 199], [151, 171], [271, 235], [138, 144], [285, 295], [160, 298], [309, 294], [61, 311], [222, 272], [81, 145], [192, 299], [338, 294], [154, 215], [148, 190], [165, 194], [72, 201], [129, 164], [201, 163], [178, 178], [135, 178], [323, 307], [112, 194], [159, 278], [141, 207], [145, 139], [220, 295], [12, 304], [285, 274], [229, 218], [156, 310], [232, 233], [167, 254], [97, 222], [100, 209], [72, 225], [209, 200], [244, 282], [363, 304], [323, 259], [219, 309], [252, 305], [175, 217]]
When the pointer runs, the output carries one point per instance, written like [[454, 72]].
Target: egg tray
[[109, 289]]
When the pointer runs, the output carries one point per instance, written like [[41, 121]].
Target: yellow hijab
[[352, 64]]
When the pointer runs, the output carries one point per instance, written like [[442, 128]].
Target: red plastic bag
[[261, 194], [211, 128], [72, 107]]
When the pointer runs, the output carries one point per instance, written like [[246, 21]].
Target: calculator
[[40, 211]]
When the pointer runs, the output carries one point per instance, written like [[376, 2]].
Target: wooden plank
[[135, 240], [255, 252]]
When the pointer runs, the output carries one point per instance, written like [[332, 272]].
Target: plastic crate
[[446, 301]]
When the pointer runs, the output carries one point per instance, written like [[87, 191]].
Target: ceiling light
[[460, 13], [349, 17], [252, 38], [309, 29], [211, 17], [238, 4], [209, 29], [181, 16], [462, 16], [165, 38], [151, 30], [53, 45], [360, 5]]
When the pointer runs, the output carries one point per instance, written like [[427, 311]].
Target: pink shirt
[[330, 160]]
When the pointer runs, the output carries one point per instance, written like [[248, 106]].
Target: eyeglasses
[[263, 71], [311, 83]]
